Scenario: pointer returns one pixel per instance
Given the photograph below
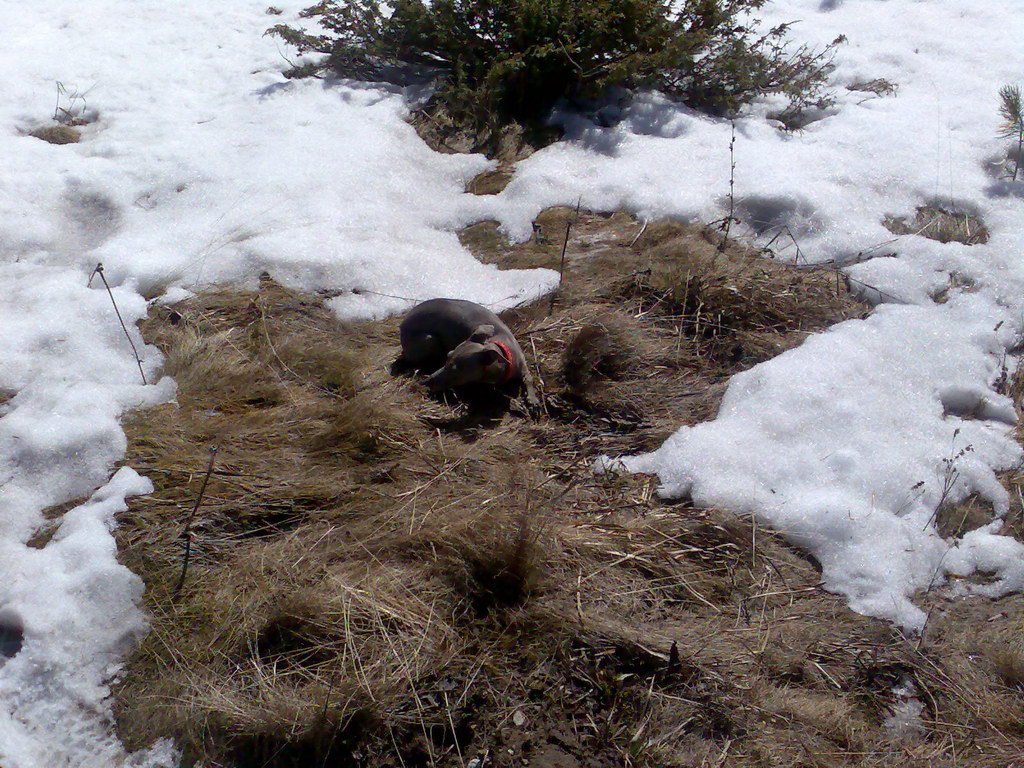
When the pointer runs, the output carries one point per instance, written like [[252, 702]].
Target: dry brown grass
[[491, 182], [942, 224], [380, 579], [57, 134], [879, 86], [741, 303]]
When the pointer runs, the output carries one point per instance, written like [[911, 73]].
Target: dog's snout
[[435, 382]]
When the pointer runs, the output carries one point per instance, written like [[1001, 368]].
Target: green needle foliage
[[504, 61], [1011, 109]]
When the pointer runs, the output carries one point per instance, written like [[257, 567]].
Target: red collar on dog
[[510, 360]]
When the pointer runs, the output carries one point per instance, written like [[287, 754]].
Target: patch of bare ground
[[381, 579], [445, 133], [67, 124], [57, 134], [945, 224], [956, 281]]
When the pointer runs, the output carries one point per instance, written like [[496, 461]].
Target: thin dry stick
[[639, 234], [496, 305], [187, 533], [56, 108], [565, 245], [323, 720], [732, 188], [451, 723], [99, 271], [1020, 154]]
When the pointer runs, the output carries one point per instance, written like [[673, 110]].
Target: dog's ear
[[490, 356], [482, 333]]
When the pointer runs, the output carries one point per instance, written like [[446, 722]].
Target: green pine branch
[[1011, 109]]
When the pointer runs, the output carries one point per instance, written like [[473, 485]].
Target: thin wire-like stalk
[[138, 360], [187, 533], [565, 245]]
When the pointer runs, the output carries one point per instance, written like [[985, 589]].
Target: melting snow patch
[[843, 446], [79, 611], [904, 724]]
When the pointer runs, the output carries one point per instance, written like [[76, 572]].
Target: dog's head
[[477, 360]]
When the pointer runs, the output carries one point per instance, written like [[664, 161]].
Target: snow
[[846, 446], [203, 164], [849, 440], [206, 165], [905, 721], [91, 603]]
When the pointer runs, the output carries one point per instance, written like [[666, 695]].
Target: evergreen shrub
[[511, 61]]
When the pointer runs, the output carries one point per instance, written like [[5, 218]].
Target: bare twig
[[639, 234], [67, 115], [56, 108], [951, 474], [785, 230], [187, 532], [732, 188], [138, 360], [565, 245]]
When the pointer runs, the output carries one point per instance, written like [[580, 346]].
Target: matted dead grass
[[940, 223], [57, 134], [381, 579]]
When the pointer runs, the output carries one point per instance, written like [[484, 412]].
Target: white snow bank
[[846, 445], [206, 165], [69, 366], [78, 607], [69, 371]]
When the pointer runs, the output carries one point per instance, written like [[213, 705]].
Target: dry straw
[[378, 578]]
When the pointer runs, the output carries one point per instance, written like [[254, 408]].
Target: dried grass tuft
[[1008, 661], [606, 348], [729, 300], [938, 223], [57, 134]]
